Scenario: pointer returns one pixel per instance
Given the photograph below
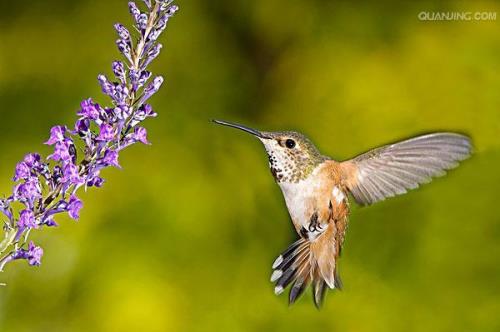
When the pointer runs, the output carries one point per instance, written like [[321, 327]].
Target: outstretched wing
[[394, 169]]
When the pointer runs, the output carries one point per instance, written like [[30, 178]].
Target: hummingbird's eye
[[290, 143]]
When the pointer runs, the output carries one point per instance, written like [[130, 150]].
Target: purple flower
[[134, 11], [155, 33], [143, 77], [164, 4], [26, 220], [124, 49], [144, 111], [106, 86], [123, 33], [61, 152], [167, 7], [5, 208], [134, 78], [162, 22], [99, 133], [122, 112], [152, 54], [120, 94], [110, 158], [96, 181], [106, 133], [140, 135], [49, 221], [142, 21], [71, 174], [82, 126], [23, 171], [172, 10], [119, 71], [34, 254], [57, 134], [32, 159], [151, 89], [74, 207], [28, 191], [89, 110]]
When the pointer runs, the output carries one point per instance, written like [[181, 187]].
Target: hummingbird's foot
[[314, 229], [314, 224]]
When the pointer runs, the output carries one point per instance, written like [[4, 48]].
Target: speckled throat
[[292, 167]]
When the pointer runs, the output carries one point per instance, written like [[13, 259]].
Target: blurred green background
[[182, 239]]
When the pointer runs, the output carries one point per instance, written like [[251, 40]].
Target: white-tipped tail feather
[[276, 275], [278, 261], [298, 266]]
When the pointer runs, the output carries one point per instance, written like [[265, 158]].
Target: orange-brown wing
[[394, 169]]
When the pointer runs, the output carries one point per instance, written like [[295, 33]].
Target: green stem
[[7, 242]]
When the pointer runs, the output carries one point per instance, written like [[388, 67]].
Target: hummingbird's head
[[292, 156]]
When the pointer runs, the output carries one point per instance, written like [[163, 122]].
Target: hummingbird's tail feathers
[[303, 263], [338, 282], [325, 251], [319, 288], [292, 266], [301, 282]]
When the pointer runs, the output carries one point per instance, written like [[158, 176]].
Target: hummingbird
[[316, 189]]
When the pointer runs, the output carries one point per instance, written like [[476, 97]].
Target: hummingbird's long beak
[[241, 127]]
